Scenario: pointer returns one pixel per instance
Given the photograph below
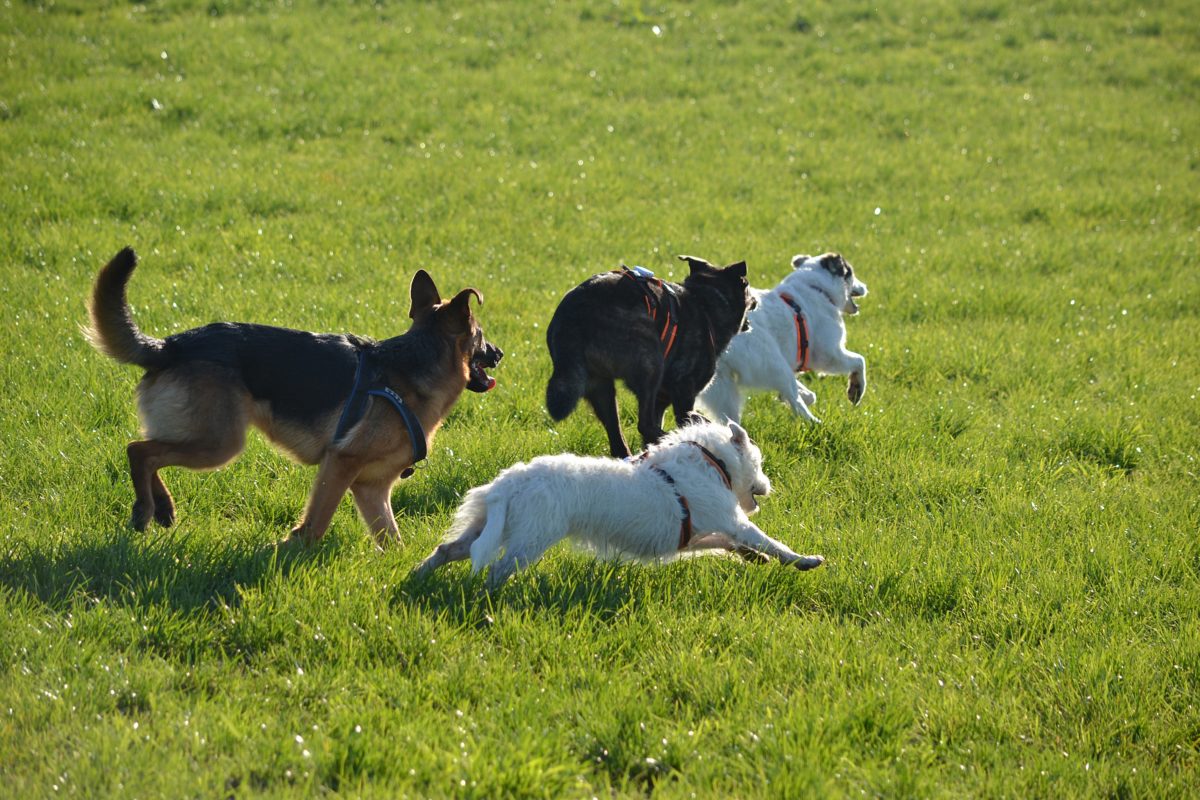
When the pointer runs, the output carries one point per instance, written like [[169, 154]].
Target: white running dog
[[690, 492], [797, 327]]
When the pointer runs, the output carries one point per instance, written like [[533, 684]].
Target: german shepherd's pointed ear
[[738, 269], [455, 316], [424, 294], [696, 263]]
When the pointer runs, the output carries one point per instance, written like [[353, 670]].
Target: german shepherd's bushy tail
[[566, 385], [113, 331]]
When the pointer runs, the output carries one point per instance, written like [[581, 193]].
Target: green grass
[[1011, 601]]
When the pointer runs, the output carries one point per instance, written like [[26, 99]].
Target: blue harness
[[356, 407]]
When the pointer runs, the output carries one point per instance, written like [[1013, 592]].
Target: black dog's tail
[[113, 331], [566, 386]]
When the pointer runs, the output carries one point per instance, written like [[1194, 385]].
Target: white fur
[[764, 357], [615, 506]]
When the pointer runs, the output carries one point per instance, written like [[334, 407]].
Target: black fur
[[302, 375], [602, 332], [836, 266]]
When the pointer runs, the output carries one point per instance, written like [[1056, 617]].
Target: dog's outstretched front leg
[[334, 477], [374, 501], [719, 541], [746, 533]]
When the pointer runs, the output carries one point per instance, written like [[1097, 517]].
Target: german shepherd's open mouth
[[487, 357]]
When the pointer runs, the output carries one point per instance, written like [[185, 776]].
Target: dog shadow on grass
[[147, 569], [601, 590]]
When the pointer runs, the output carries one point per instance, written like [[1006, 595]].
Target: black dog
[[661, 338]]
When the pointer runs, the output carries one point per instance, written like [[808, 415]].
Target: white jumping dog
[[797, 327], [691, 492]]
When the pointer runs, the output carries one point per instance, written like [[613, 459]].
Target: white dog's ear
[[740, 437], [798, 261]]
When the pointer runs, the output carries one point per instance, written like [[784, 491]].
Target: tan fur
[[196, 414]]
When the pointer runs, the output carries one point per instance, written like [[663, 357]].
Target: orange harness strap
[[685, 525], [801, 332], [670, 327]]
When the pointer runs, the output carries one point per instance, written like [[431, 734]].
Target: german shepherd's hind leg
[[334, 476], [374, 501], [146, 458], [602, 396], [195, 416]]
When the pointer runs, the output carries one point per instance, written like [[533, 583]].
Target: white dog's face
[[839, 268], [751, 483]]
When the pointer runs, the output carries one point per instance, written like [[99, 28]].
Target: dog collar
[[356, 407], [716, 464], [801, 332], [685, 525]]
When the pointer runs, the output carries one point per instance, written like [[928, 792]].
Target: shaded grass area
[[1010, 600]]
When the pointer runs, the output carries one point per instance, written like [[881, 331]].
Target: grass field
[[1011, 602]]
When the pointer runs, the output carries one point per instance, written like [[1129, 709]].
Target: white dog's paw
[[807, 396], [808, 562], [856, 387]]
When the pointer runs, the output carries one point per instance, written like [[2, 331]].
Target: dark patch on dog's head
[[424, 295], [840, 269], [835, 265]]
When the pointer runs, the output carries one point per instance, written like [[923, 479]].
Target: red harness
[[655, 303], [801, 332], [685, 526]]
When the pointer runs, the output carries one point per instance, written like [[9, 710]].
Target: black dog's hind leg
[[652, 402], [602, 396], [685, 413]]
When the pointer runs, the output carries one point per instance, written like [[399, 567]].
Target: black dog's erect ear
[[456, 315], [738, 269], [424, 295], [696, 263]]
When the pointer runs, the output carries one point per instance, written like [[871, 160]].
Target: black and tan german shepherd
[[364, 411], [662, 339]]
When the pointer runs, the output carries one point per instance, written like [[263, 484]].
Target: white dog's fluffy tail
[[482, 508]]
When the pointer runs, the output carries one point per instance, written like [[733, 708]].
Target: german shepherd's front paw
[[140, 518], [385, 540], [299, 535], [164, 511]]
